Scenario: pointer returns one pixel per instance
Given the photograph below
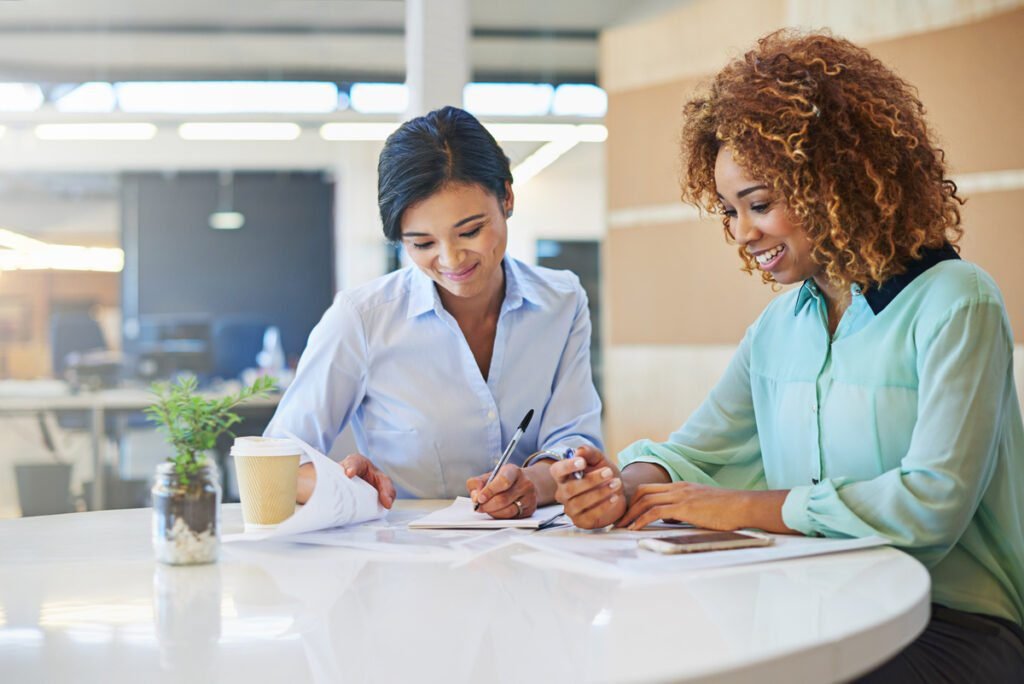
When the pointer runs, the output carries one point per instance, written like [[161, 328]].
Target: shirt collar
[[880, 297], [423, 296]]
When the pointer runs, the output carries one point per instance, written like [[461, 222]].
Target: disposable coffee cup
[[268, 471]]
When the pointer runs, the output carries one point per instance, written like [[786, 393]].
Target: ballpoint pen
[[569, 453], [508, 450]]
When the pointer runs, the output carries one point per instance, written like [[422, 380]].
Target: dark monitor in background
[[168, 344], [206, 295]]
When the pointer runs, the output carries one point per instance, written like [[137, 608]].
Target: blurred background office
[[184, 186]]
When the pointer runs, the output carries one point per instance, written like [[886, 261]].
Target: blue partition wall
[[184, 282]]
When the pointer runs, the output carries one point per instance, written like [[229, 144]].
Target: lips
[[769, 258], [462, 275]]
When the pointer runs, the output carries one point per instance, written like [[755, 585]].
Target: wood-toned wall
[[674, 285]]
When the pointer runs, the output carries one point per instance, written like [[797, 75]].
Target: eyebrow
[[744, 192], [461, 223]]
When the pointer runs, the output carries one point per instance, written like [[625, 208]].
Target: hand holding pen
[[590, 488], [506, 492]]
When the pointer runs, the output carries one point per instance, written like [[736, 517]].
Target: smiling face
[[457, 236], [761, 224]]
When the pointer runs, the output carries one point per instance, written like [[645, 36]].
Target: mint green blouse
[[905, 424]]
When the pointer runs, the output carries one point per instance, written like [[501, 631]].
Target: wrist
[[540, 476]]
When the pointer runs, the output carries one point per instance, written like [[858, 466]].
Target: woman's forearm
[[763, 510], [307, 481]]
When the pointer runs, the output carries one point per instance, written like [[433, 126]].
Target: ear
[[510, 200]]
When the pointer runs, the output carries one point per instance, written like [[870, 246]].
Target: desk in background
[[53, 396]]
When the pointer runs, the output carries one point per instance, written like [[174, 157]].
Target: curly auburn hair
[[841, 139]]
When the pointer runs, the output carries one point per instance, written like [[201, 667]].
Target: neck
[[836, 299], [480, 307]]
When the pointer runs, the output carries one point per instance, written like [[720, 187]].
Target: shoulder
[[546, 286], [947, 288], [386, 291]]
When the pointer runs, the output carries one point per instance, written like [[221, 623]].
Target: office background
[[668, 300]]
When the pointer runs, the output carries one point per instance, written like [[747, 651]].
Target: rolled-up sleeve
[[572, 415], [718, 445], [964, 365], [330, 381]]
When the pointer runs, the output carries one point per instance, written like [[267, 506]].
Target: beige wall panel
[[678, 284], [651, 390], [969, 80], [994, 240], [695, 38], [643, 144]]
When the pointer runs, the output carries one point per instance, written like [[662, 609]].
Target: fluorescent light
[[275, 130], [379, 98], [508, 99], [27, 254], [12, 240], [357, 131], [591, 133], [544, 157], [227, 220], [20, 97], [96, 131], [88, 97], [538, 132], [572, 99], [529, 132], [214, 97]]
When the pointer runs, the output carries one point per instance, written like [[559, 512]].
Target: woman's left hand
[[712, 508], [498, 499]]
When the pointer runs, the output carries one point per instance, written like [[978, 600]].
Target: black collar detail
[[879, 298]]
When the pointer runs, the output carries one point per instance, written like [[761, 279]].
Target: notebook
[[460, 515]]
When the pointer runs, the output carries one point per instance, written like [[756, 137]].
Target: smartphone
[[705, 541]]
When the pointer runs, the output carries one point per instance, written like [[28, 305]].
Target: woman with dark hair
[[436, 364], [876, 397]]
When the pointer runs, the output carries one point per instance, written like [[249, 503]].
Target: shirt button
[[490, 415], [815, 480], [814, 408]]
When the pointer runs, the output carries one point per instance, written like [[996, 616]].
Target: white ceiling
[[339, 40]]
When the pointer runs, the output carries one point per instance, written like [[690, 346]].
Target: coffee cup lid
[[265, 446]]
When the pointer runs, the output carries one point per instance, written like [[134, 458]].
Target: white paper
[[620, 549], [460, 515], [337, 500]]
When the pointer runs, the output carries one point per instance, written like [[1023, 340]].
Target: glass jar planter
[[186, 517]]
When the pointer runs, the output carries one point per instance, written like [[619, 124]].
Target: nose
[[449, 255], [743, 230]]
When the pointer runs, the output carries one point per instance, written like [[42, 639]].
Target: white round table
[[81, 599]]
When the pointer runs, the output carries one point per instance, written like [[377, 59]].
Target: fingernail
[[579, 463], [481, 498], [606, 473], [349, 472], [615, 484], [613, 499]]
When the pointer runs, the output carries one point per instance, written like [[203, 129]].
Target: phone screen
[[705, 538]]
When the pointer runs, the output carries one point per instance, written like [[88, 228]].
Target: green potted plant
[[187, 492]]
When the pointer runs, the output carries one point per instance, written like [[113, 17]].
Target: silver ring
[[519, 506]]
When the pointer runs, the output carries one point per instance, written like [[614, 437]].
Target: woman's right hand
[[596, 500]]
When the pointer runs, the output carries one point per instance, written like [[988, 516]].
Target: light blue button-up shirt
[[904, 424], [389, 358]]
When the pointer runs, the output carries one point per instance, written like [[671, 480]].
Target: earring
[[508, 214]]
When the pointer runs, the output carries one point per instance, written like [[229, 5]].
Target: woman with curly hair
[[877, 396]]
